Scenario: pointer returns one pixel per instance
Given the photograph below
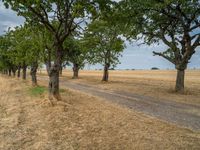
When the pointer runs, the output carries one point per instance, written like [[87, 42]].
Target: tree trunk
[[61, 69], [24, 67], [34, 67], [54, 74], [18, 72], [105, 73], [75, 71], [48, 61], [54, 82], [9, 72], [180, 81]]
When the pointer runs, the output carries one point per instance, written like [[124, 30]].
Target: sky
[[133, 56]]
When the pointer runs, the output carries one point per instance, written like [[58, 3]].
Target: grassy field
[[28, 121], [155, 83]]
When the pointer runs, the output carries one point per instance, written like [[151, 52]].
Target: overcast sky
[[133, 57]]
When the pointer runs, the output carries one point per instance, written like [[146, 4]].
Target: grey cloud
[[8, 18]]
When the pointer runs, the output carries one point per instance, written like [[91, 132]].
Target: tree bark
[[54, 82], [105, 73], [9, 72], [75, 71], [24, 67], [54, 74], [180, 81], [18, 71], [33, 72], [61, 69]]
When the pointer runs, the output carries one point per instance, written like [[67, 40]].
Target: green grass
[[38, 90], [62, 90]]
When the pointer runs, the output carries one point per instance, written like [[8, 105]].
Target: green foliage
[[104, 43], [5, 52], [23, 45], [75, 52], [60, 17], [174, 22]]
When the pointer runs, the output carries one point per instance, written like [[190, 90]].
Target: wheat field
[[86, 122]]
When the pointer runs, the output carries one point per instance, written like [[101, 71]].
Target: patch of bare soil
[[28, 122]]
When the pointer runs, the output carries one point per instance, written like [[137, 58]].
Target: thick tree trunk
[[54, 74], [9, 72], [75, 71], [180, 81], [33, 72], [18, 72], [105, 73], [24, 67], [54, 82]]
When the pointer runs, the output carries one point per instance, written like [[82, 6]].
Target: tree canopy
[[176, 23]]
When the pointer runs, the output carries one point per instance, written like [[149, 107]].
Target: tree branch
[[196, 43], [164, 56], [42, 19]]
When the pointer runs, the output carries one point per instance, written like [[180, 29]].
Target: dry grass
[[29, 122], [157, 83]]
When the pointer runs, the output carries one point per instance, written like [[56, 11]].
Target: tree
[[60, 18], [76, 54], [19, 45], [6, 54], [174, 22], [26, 49], [6, 64], [22, 49], [104, 44], [36, 51]]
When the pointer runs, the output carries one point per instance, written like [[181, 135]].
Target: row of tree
[[26, 46], [77, 31], [53, 35]]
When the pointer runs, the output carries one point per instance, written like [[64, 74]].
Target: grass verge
[[37, 91]]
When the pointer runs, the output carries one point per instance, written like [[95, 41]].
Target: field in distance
[[155, 83]]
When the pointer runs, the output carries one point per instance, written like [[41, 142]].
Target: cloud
[[8, 18]]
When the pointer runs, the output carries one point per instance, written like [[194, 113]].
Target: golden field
[[85, 122]]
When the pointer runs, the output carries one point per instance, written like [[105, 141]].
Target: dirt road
[[185, 115]]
